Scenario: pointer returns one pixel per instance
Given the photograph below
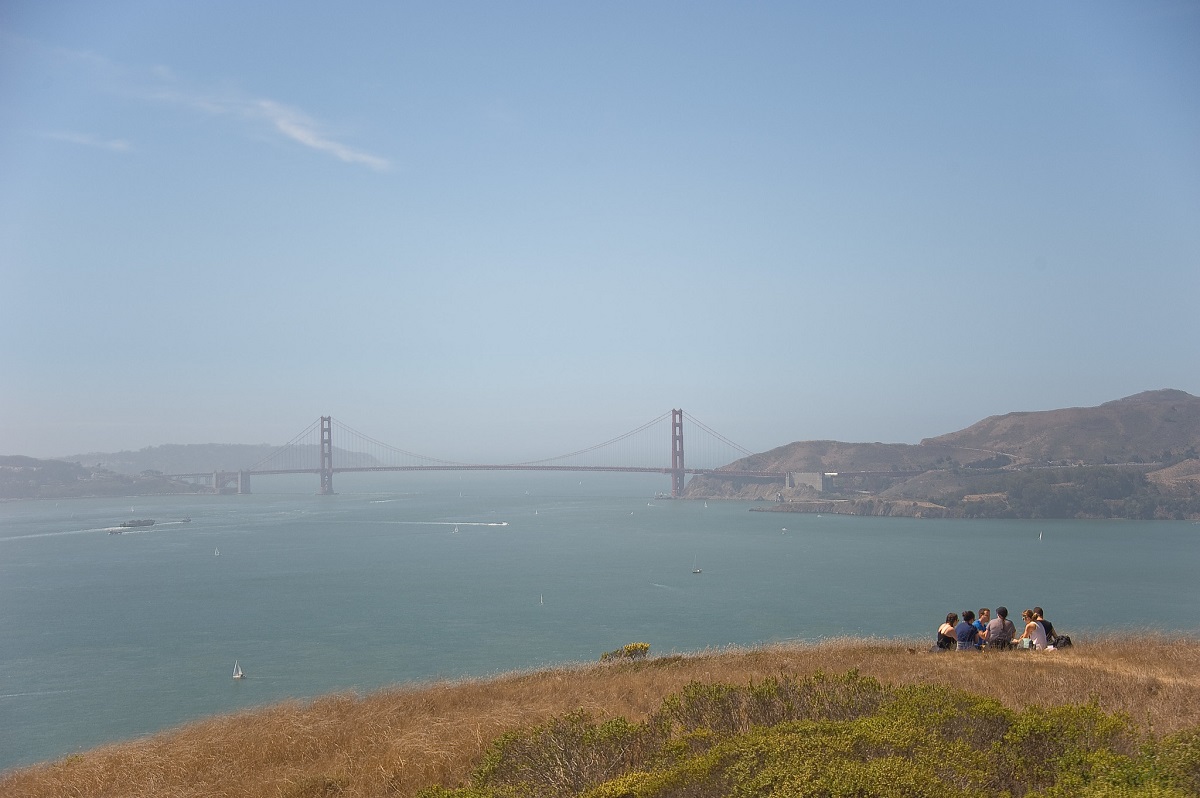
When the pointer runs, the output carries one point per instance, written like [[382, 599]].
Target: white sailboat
[[696, 569], [237, 671]]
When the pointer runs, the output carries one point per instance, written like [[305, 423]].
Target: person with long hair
[[945, 632], [1034, 632]]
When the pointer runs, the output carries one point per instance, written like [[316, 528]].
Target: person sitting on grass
[[1000, 630], [980, 623], [1046, 625], [965, 633], [1034, 633], [945, 632]]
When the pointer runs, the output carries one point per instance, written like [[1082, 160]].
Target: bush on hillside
[[840, 735], [628, 651]]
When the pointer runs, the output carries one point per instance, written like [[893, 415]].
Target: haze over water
[[416, 577]]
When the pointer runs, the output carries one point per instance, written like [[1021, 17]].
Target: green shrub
[[628, 651], [725, 709], [1175, 761], [564, 756], [836, 736], [1045, 742]]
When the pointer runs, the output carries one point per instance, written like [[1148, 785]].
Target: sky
[[498, 231]]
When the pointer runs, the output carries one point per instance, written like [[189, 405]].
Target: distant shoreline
[[901, 508]]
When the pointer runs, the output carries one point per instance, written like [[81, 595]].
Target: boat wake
[[450, 523], [64, 532], [35, 693]]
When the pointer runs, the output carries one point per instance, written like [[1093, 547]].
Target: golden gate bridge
[[329, 447]]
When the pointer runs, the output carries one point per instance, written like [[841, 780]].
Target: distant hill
[[820, 456], [141, 473], [1145, 428], [1135, 457], [30, 478], [1148, 427], [174, 458]]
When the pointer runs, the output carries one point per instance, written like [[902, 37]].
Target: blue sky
[[507, 230]]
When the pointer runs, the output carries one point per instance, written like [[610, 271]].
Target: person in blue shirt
[[966, 635], [981, 623]]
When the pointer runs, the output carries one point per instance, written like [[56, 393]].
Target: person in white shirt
[[1033, 631]]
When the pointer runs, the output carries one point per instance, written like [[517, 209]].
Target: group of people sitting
[[998, 633]]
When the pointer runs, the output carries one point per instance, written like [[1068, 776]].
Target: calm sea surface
[[402, 578]]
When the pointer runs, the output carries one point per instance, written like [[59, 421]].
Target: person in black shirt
[[945, 635]]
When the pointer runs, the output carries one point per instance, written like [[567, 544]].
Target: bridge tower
[[677, 474], [326, 455]]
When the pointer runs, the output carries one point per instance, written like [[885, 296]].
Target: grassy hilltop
[[1106, 717]]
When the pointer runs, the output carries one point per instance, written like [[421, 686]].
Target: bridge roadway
[[220, 479], [677, 471]]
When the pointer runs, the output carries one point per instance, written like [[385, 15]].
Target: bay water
[[403, 578]]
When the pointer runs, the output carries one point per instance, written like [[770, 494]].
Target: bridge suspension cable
[[381, 447], [716, 434], [656, 446], [648, 446], [292, 453], [598, 446]]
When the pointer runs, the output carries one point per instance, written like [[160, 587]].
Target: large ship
[[137, 522]]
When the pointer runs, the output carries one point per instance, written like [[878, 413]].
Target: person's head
[[1037, 612], [952, 618], [1027, 616], [1002, 611], [968, 616], [984, 614]]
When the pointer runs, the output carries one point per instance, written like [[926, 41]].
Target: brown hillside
[[1139, 428], [818, 456], [1182, 478], [400, 741], [1148, 427]]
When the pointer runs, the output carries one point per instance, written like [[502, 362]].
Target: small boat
[[115, 531], [136, 522], [237, 671], [455, 529], [186, 520], [695, 569], [217, 552]]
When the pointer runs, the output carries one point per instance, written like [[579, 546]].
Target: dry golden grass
[[397, 741]]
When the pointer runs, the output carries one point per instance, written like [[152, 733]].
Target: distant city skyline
[[513, 230]]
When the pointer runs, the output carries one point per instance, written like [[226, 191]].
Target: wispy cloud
[[160, 84], [292, 123], [84, 140], [297, 126]]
